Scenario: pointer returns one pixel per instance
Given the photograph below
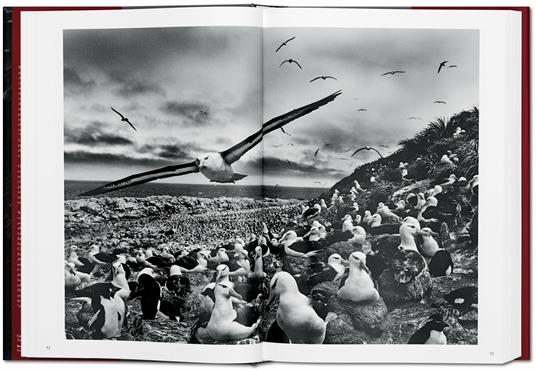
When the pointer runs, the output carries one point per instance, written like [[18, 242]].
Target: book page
[[161, 112], [166, 96], [404, 157]]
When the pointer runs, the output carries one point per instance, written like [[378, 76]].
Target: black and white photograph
[[239, 185]]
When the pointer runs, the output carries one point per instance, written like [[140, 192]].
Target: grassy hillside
[[423, 153]]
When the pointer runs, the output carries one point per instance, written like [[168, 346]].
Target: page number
[[47, 347]]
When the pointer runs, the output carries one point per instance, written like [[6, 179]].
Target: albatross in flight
[[123, 118], [290, 61], [284, 43], [216, 166], [366, 148]]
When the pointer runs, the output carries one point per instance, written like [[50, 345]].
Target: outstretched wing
[[234, 153], [356, 151], [381, 156], [279, 47], [117, 112], [292, 38], [138, 179], [296, 62], [282, 63], [331, 77], [129, 123], [316, 78]]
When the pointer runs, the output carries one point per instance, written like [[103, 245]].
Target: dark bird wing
[[296, 62], [138, 179], [316, 152], [356, 151], [388, 73], [331, 77], [292, 38], [129, 123], [279, 47], [441, 66], [282, 63], [117, 112], [316, 78], [234, 153], [381, 156]]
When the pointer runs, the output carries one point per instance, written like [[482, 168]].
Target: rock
[[395, 293], [157, 330], [295, 265], [365, 317], [402, 322], [341, 331]]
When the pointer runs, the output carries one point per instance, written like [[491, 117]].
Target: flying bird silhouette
[[452, 66], [441, 65], [362, 109], [443, 102], [123, 118], [317, 150], [288, 134], [323, 77], [415, 117], [366, 148], [393, 72], [284, 43], [385, 146], [289, 61], [215, 166]]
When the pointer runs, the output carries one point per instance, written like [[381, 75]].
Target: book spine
[[7, 88]]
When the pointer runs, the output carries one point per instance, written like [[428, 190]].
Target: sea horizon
[[73, 188]]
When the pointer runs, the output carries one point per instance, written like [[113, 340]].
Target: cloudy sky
[[193, 90]]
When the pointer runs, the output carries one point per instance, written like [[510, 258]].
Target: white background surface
[[136, 366]]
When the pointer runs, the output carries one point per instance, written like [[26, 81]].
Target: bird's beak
[[234, 294], [364, 267], [218, 275]]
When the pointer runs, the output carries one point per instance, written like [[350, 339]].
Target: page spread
[[268, 182]]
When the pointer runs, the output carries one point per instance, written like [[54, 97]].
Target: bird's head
[[281, 282], [225, 290], [222, 272], [209, 160], [359, 260], [336, 259]]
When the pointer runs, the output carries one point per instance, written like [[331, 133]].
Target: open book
[[240, 184]]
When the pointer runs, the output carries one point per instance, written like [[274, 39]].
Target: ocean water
[[74, 188]]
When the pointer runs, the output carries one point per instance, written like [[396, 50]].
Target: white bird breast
[[214, 167]]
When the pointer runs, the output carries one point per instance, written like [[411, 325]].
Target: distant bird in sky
[[289, 163], [123, 118], [323, 77], [452, 66], [277, 146], [203, 112], [325, 145], [366, 148], [284, 43], [288, 134], [393, 72], [384, 146], [443, 102], [362, 109], [289, 61], [215, 166], [441, 65], [415, 117], [343, 159]]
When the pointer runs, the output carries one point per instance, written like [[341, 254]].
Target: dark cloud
[[281, 167], [72, 79], [176, 151], [194, 112], [86, 157], [94, 135], [129, 85]]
